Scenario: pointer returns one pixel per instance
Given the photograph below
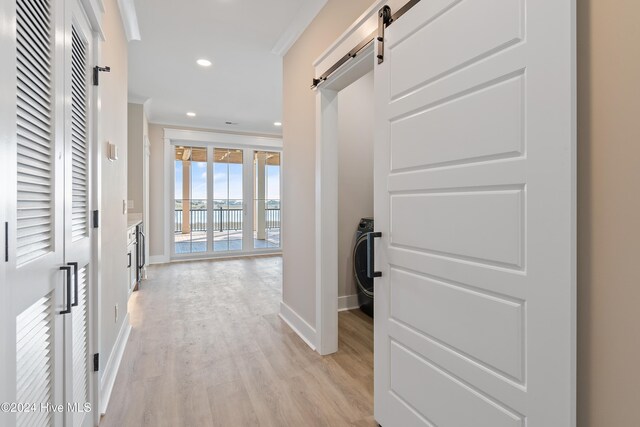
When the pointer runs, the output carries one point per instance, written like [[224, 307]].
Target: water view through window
[[190, 200], [267, 199], [210, 212], [228, 205]]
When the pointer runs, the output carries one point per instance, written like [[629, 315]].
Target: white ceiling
[[243, 85]]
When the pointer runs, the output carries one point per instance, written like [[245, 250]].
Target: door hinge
[[384, 19], [96, 362], [96, 74], [6, 242], [96, 219]]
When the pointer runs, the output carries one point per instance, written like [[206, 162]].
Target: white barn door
[[475, 200]]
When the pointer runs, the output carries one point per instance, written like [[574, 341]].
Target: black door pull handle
[[75, 275], [371, 273], [68, 270], [143, 254]]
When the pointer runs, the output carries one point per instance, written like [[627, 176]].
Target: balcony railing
[[224, 219], [272, 218]]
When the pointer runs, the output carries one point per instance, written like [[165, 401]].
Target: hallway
[[207, 348]]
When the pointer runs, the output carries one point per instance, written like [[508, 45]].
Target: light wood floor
[[208, 349]]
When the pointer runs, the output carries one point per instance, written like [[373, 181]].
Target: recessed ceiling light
[[277, 123], [204, 62], [191, 114]]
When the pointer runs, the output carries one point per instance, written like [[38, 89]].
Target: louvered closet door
[[77, 227], [31, 84]]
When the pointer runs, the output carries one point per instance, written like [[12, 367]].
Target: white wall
[[355, 172], [299, 112], [137, 129], [113, 222], [156, 226]]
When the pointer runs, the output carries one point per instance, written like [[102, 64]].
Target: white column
[[210, 213], [186, 197], [248, 196], [261, 190]]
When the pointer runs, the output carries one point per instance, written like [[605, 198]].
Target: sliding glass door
[[267, 199], [228, 205], [213, 188], [190, 189]]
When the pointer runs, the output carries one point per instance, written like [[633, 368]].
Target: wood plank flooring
[[208, 349]]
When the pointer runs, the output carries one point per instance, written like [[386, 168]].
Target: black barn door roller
[[385, 18]]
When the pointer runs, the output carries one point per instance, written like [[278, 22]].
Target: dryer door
[[364, 283]]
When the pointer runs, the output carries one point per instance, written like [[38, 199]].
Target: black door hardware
[[67, 269], [371, 273], [96, 73], [385, 18], [75, 275]]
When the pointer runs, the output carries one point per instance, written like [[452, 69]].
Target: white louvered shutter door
[[80, 353], [77, 225], [34, 339], [79, 138], [35, 164], [34, 68]]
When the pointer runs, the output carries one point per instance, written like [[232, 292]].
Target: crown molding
[[129, 19], [306, 14]]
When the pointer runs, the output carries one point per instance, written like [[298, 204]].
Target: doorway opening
[[355, 218], [355, 198], [344, 127]]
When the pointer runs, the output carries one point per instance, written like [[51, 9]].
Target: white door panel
[[451, 37], [481, 225], [447, 400], [78, 149], [497, 132], [33, 120], [475, 200], [81, 370], [46, 190], [485, 328], [35, 356]]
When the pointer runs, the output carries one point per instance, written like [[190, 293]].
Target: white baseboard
[[158, 259], [113, 364], [348, 302], [298, 324]]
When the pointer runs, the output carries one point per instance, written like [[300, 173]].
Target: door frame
[[326, 196], [248, 144], [76, 15], [94, 12], [95, 285], [326, 209]]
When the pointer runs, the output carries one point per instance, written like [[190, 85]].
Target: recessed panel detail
[[485, 328], [447, 51], [484, 226], [483, 125], [447, 401]]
